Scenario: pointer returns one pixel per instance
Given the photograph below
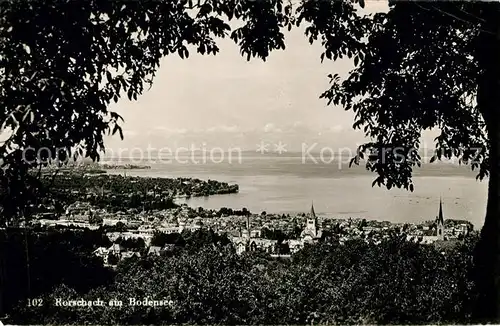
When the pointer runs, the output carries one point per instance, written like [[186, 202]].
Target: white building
[[312, 232]]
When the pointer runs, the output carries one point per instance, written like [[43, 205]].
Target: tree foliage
[[427, 65], [55, 258], [63, 62], [396, 282], [417, 70]]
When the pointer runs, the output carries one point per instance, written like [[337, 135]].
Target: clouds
[[164, 130], [271, 128], [224, 100], [228, 136], [336, 129], [130, 133], [294, 135], [223, 129], [225, 94]]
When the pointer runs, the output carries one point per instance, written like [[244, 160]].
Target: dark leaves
[[61, 68], [415, 72], [262, 32], [205, 9], [336, 24]]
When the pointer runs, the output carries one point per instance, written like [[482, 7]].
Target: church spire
[[440, 221], [313, 214], [440, 216]]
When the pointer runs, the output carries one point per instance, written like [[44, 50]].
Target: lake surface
[[287, 185]]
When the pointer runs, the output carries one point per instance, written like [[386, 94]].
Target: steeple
[[311, 223], [246, 231], [440, 218], [313, 214], [440, 221]]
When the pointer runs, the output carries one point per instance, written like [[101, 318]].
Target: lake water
[[288, 185]]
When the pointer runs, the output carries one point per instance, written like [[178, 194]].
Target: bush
[[396, 282]]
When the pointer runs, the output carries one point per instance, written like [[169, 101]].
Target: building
[[312, 231], [431, 236], [116, 249], [101, 252], [440, 222], [250, 240], [79, 211], [130, 254], [247, 241], [110, 221], [182, 224], [132, 234], [255, 233], [295, 245], [195, 225], [198, 224], [154, 250]]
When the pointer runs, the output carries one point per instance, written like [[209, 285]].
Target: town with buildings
[[279, 235]]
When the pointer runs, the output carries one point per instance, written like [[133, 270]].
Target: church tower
[[246, 231], [312, 222], [440, 222]]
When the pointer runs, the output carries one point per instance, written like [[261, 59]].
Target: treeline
[[280, 235], [33, 262], [396, 282], [193, 240], [118, 184], [230, 212], [134, 201], [122, 166], [223, 211], [115, 192]]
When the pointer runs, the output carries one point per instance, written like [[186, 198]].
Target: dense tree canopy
[[427, 65], [417, 71], [396, 282], [56, 257], [63, 62]]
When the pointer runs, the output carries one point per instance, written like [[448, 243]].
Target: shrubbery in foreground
[[394, 282]]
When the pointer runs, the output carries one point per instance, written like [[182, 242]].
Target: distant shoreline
[[309, 157], [123, 167]]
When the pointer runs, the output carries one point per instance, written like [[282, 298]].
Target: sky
[[225, 101]]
